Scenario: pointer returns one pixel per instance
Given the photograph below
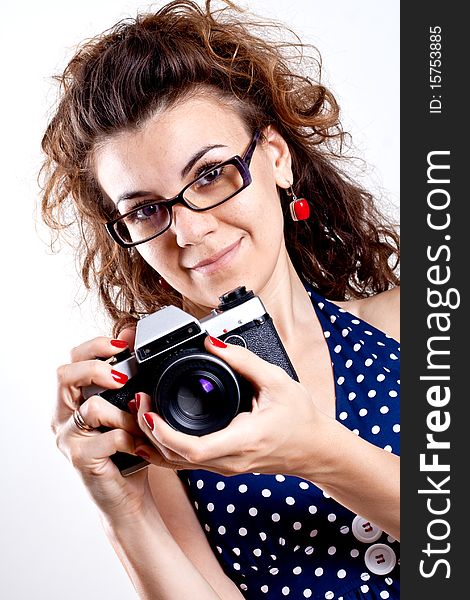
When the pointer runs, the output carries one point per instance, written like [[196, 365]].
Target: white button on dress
[[380, 559], [365, 531]]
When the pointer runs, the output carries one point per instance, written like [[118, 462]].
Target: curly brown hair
[[116, 80]]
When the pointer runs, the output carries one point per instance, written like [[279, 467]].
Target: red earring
[[299, 207]]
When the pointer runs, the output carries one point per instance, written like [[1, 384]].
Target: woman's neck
[[284, 297], [286, 301]]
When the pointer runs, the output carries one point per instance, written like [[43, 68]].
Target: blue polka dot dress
[[278, 536]]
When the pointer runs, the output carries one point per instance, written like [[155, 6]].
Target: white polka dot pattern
[[279, 536]]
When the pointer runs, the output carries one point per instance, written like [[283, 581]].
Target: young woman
[[195, 159]]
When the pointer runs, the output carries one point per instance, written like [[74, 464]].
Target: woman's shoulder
[[381, 310]]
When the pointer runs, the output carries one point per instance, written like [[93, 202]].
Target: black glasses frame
[[242, 163]]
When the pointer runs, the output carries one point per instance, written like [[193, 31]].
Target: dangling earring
[[299, 207]]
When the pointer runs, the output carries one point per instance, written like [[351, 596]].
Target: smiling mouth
[[218, 260]]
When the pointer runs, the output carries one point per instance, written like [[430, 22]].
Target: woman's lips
[[215, 262]]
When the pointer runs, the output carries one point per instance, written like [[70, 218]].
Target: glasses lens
[[215, 186], [143, 223]]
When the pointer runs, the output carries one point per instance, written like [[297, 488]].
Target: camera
[[194, 391]]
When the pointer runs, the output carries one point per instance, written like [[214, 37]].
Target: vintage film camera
[[194, 391]]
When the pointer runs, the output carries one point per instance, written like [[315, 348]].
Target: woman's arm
[[160, 566], [164, 549], [361, 476], [358, 475]]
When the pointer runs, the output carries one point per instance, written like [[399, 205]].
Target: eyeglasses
[[215, 186]]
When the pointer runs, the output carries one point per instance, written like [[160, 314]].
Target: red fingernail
[[119, 377], [142, 454], [137, 401], [149, 420], [132, 407], [217, 343], [118, 343]]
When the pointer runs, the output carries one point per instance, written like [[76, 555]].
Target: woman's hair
[[120, 78]]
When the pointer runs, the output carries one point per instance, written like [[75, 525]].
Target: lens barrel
[[197, 393]]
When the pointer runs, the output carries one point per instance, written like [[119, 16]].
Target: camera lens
[[197, 393]]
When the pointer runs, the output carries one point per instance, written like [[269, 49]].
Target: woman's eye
[[211, 176], [143, 213], [147, 211]]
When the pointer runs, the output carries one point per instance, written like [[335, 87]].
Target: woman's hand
[[90, 452], [285, 433], [277, 436]]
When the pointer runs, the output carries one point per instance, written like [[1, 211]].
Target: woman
[[180, 142]]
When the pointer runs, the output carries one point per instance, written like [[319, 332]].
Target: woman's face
[[202, 254]]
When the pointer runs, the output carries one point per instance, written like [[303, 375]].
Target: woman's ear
[[279, 155]]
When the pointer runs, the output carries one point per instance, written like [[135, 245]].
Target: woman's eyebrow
[[197, 156], [132, 195], [188, 166]]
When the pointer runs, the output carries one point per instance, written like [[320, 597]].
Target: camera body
[[194, 391]]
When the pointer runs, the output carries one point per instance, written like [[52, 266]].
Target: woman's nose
[[190, 227]]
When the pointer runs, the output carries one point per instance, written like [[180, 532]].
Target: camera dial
[[235, 297]]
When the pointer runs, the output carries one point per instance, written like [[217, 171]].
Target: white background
[[51, 543]]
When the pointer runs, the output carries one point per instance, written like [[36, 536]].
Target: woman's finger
[[99, 347], [92, 455], [91, 372], [246, 363], [98, 412], [208, 450], [70, 398], [144, 413], [151, 454], [128, 335], [84, 436]]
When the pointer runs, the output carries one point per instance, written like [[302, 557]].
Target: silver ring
[[80, 423]]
